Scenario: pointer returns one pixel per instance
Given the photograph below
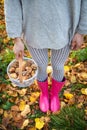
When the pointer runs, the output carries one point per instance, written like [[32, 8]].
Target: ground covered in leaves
[[19, 108]]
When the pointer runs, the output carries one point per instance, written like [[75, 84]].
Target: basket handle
[[20, 60]]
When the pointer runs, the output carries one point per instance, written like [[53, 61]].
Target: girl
[[58, 25]]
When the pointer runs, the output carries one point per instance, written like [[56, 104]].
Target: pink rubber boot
[[44, 98], [54, 98]]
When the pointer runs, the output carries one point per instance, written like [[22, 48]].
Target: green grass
[[70, 118]]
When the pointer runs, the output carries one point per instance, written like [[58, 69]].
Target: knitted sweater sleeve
[[82, 26], [13, 17]]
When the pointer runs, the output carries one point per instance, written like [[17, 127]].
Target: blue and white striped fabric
[[58, 58]]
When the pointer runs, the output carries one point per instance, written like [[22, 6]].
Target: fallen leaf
[[84, 91], [12, 93], [68, 95], [18, 117], [63, 104], [5, 121], [1, 111], [49, 69], [15, 108], [47, 119], [32, 128], [66, 68], [77, 65], [39, 124], [67, 83], [7, 114], [34, 96], [83, 75], [25, 123], [19, 123], [2, 127], [22, 105], [73, 79], [80, 105], [81, 99], [22, 92], [86, 111], [25, 111], [66, 100], [71, 101]]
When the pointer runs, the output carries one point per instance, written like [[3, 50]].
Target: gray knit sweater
[[46, 23]]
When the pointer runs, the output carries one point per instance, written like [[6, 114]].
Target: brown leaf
[[19, 123], [22, 92], [5, 121], [63, 104], [15, 108], [18, 117], [2, 127], [1, 111], [71, 101], [12, 93], [81, 99]]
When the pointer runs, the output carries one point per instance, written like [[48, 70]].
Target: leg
[[41, 58], [58, 59]]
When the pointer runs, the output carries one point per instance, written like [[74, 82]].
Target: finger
[[78, 46], [73, 45], [20, 55], [23, 54], [16, 56]]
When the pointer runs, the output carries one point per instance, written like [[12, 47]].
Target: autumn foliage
[[19, 107]]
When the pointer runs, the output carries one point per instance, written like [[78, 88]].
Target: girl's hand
[[77, 41], [18, 48]]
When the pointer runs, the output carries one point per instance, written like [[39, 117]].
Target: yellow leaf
[[39, 124], [83, 75], [22, 105], [34, 96], [73, 79], [80, 105], [86, 111], [25, 123], [25, 111], [2, 1], [77, 65], [7, 115], [68, 95], [84, 91], [66, 68], [5, 41], [8, 38], [32, 128], [49, 69], [22, 92]]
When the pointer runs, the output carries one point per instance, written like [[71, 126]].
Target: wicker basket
[[25, 83]]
